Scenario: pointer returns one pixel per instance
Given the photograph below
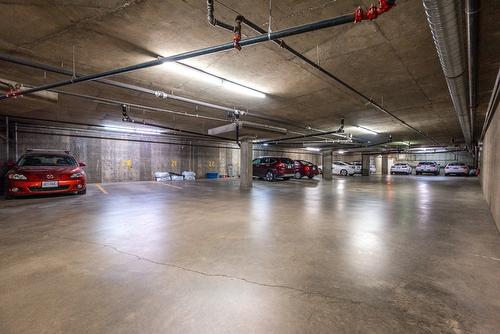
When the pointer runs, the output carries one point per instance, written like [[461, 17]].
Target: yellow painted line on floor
[[101, 189], [171, 185]]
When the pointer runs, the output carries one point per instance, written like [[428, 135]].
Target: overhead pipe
[[297, 30], [339, 130], [472, 8], [443, 17], [359, 16]]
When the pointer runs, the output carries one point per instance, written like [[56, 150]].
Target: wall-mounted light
[[313, 149], [193, 72], [367, 130], [340, 152]]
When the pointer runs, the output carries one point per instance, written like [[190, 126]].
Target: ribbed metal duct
[[444, 17]]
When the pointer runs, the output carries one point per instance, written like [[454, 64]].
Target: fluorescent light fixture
[[132, 130], [367, 130], [193, 72], [242, 89], [313, 149], [265, 144], [341, 152]]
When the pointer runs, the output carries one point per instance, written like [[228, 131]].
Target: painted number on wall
[[127, 163], [173, 164], [211, 164]]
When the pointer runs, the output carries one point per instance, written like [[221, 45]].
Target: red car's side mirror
[[11, 164], [81, 164]]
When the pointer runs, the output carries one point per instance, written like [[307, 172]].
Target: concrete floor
[[369, 255]]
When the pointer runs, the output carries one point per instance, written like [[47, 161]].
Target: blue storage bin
[[212, 175]]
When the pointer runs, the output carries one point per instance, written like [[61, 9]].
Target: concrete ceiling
[[392, 60]]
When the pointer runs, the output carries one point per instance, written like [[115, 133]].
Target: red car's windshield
[[46, 160]]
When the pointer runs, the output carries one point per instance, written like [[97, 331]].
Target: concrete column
[[385, 164], [326, 160], [246, 172], [365, 168]]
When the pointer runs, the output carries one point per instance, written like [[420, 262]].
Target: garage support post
[[365, 168], [326, 160], [385, 165], [246, 172]]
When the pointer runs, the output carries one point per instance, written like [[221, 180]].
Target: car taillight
[[280, 165], [306, 167]]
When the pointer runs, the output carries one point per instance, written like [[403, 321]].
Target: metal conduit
[[444, 21]]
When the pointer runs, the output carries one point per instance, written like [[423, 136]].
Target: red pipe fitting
[[358, 15], [373, 11]]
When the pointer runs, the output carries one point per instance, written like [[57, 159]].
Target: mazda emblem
[[49, 176]]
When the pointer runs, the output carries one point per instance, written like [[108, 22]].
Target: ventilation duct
[[444, 17]]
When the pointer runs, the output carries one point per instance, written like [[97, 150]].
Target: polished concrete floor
[[392, 254]]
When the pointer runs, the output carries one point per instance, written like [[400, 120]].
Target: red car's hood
[[35, 170]]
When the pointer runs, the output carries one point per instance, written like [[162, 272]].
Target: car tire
[[82, 192], [9, 197], [270, 176], [436, 173], [392, 173], [310, 177], [286, 178], [298, 175], [343, 172]]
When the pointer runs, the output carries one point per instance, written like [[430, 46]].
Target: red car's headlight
[[76, 175], [17, 177]]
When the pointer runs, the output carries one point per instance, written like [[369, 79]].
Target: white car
[[358, 168], [343, 168], [427, 167], [401, 168], [456, 168]]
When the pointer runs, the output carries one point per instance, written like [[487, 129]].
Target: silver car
[[342, 168], [456, 168], [427, 167], [401, 168]]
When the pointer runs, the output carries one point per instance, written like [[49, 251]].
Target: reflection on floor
[[358, 254]]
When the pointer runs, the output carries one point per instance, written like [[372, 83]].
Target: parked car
[[272, 168], [456, 168], [45, 173], [358, 168], [305, 168], [427, 167], [342, 168], [401, 168]]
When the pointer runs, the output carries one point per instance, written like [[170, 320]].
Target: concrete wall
[[114, 157], [315, 158], [490, 167], [122, 159]]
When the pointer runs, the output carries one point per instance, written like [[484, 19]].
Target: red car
[[45, 173], [271, 168], [305, 168]]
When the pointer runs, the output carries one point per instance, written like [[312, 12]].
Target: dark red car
[[45, 173], [271, 168], [305, 168]]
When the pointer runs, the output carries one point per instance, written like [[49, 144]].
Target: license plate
[[50, 184]]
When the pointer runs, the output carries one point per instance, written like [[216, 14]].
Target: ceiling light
[[132, 130], [365, 129], [193, 72], [242, 89], [341, 152], [313, 149], [265, 144]]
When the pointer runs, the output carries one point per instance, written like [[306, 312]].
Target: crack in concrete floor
[[206, 274]]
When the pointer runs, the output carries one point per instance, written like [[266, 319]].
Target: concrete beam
[[246, 171], [326, 159]]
